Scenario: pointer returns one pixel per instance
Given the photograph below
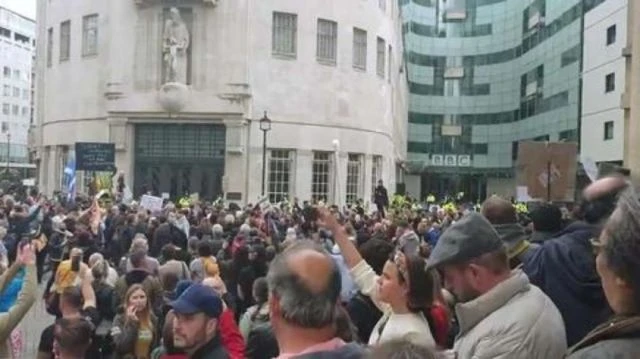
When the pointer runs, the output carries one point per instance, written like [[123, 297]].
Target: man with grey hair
[[139, 243], [304, 285]]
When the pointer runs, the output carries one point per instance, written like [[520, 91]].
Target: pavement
[[33, 323]]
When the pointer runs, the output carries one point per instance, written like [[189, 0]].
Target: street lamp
[[265, 126], [8, 150]]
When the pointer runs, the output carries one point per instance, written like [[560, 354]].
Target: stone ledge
[[168, 3]]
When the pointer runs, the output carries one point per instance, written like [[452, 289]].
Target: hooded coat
[[564, 268]]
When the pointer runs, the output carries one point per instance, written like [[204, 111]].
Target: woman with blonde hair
[[134, 330]]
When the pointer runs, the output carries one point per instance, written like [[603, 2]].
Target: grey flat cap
[[470, 237]]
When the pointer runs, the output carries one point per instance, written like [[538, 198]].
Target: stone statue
[[176, 41]]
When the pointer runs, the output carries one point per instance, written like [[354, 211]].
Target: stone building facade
[[180, 86]]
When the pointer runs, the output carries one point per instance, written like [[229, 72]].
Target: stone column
[[367, 177], [632, 115], [235, 166], [302, 171]]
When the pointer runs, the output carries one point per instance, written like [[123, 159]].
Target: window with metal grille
[[284, 34], [321, 176], [174, 142], [5, 32], [65, 40], [611, 34], [380, 57], [327, 43], [608, 130], [359, 49], [610, 82], [376, 174], [279, 180], [90, 35], [49, 47], [354, 177]]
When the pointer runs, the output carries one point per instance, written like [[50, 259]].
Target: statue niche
[[176, 46]]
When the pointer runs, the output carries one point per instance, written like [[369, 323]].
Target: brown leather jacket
[[617, 338]]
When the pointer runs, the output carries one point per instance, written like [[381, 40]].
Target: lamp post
[[265, 126], [8, 150]]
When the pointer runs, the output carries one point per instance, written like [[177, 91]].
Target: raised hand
[[327, 220], [131, 313], [26, 255]]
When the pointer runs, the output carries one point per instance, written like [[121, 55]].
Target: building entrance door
[[179, 159]]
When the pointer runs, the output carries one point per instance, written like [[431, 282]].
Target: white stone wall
[[235, 79], [17, 56], [601, 59]]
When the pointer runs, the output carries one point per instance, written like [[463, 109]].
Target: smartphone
[[24, 242], [75, 263]]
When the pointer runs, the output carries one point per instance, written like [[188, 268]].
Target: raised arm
[[27, 295], [7, 276], [349, 251], [361, 272], [88, 294]]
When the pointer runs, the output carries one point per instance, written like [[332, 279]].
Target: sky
[[23, 7]]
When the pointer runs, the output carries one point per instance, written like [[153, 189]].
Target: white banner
[[151, 203]]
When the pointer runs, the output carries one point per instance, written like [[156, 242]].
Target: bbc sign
[[451, 160]]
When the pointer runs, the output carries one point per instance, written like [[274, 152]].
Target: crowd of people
[[202, 280]]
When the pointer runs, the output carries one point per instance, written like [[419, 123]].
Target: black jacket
[[380, 196], [564, 268], [262, 343], [364, 315], [165, 234], [212, 350]]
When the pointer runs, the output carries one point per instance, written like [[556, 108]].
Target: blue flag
[[69, 178]]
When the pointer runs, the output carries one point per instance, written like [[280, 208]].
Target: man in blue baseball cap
[[195, 325]]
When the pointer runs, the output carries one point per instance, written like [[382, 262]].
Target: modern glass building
[[484, 75]]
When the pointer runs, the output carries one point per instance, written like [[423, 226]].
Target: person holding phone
[[74, 302], [67, 272]]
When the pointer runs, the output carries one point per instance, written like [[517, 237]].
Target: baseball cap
[[198, 298], [470, 237]]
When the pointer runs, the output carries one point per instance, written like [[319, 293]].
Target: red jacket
[[441, 324], [230, 335]]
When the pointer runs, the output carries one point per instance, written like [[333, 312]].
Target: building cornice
[[168, 3]]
